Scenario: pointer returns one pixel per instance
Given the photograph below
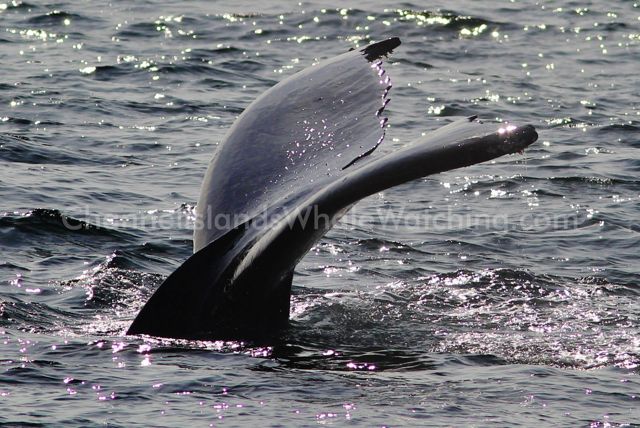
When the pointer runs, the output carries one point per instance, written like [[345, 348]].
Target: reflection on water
[[511, 285]]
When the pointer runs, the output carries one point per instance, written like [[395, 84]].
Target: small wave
[[601, 181], [12, 267], [191, 69], [375, 244], [235, 74], [452, 110], [21, 148], [414, 62], [112, 72], [17, 121], [101, 302], [210, 82], [34, 317], [164, 26], [238, 16], [58, 17], [139, 30], [203, 54], [613, 27], [245, 65], [43, 220], [624, 127], [20, 5], [465, 25], [565, 122], [111, 287]]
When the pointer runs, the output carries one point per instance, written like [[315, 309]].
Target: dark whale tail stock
[[291, 165]]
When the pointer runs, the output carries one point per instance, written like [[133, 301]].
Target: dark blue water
[[504, 294]]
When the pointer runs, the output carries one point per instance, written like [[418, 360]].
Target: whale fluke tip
[[385, 47]]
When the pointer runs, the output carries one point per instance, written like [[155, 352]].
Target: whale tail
[[297, 184], [239, 285]]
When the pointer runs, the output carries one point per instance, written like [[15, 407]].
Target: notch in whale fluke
[[281, 168]]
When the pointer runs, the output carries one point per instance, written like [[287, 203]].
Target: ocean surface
[[503, 294]]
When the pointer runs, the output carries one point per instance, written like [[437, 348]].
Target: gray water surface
[[504, 294]]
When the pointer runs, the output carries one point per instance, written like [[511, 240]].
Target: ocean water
[[503, 294]]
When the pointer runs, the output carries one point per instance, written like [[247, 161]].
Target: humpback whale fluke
[[291, 165]]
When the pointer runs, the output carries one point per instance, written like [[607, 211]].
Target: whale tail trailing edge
[[237, 285]]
